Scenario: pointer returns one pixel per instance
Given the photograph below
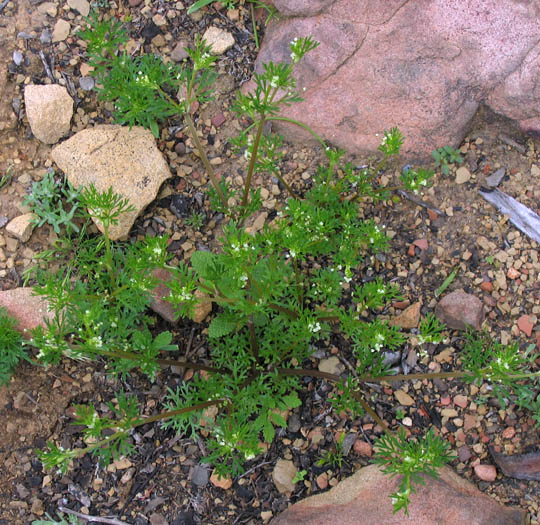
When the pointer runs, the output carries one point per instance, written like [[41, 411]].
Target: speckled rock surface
[[115, 156], [424, 66], [364, 498], [49, 109]]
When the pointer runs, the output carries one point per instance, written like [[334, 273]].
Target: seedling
[[445, 156]]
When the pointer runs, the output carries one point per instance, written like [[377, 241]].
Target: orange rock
[[222, 483]]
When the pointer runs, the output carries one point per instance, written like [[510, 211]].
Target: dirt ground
[[157, 485]]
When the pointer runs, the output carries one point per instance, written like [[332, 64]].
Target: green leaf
[[268, 432], [278, 419], [202, 262], [198, 5], [221, 326], [292, 401], [163, 342]]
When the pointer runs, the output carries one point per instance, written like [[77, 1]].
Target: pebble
[[404, 398], [200, 476], [495, 179], [283, 475], [485, 472], [219, 39], [222, 483], [463, 175], [86, 83], [331, 365], [61, 30], [82, 6], [17, 57], [363, 448], [525, 325], [45, 37], [179, 52]]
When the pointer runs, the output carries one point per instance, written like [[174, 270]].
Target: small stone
[[61, 30], [525, 325], [48, 8], [463, 175], [219, 39], [495, 179], [29, 310], [461, 401], [45, 37], [509, 433], [409, 318], [283, 475], [159, 41], [331, 365], [458, 310], [512, 273], [202, 308], [200, 476], [404, 398], [158, 519], [179, 52], [218, 120], [485, 472], [135, 3], [159, 20], [535, 170], [86, 83], [49, 109], [487, 286], [17, 57], [220, 482], [22, 226], [122, 463], [421, 243], [322, 480], [464, 453], [82, 6]]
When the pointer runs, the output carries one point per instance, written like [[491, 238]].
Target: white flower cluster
[[314, 327]]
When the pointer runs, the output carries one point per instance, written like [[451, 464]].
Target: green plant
[[12, 349], [411, 460], [431, 330], [445, 156], [69, 520], [277, 293], [400, 414], [229, 4], [299, 476], [6, 179], [196, 220], [48, 202], [333, 457]]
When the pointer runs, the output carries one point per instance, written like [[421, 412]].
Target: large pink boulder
[[424, 66], [364, 498]]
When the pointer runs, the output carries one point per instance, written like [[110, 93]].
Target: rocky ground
[[165, 482]]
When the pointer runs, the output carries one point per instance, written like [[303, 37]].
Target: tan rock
[[404, 398], [331, 365], [283, 475], [222, 483], [82, 6], [21, 226], [409, 318], [111, 156], [463, 175], [219, 39], [202, 308], [61, 30], [49, 109]]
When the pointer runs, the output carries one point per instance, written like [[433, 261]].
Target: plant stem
[[252, 160], [302, 125], [204, 158]]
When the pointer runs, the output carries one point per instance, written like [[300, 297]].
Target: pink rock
[[421, 243], [485, 472], [363, 448], [322, 480], [425, 66], [459, 309], [525, 325], [28, 309], [461, 401], [218, 120], [364, 498], [159, 304], [509, 433]]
